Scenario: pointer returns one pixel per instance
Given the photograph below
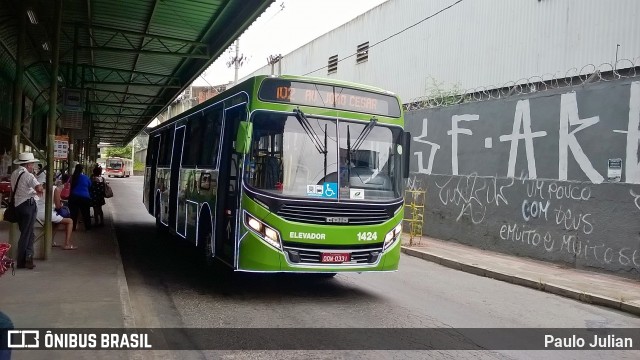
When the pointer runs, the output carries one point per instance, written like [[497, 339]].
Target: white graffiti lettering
[[432, 152], [534, 188], [573, 221], [522, 119], [521, 234], [413, 183], [569, 117], [571, 244], [569, 191], [473, 194], [534, 209], [636, 198], [455, 130]]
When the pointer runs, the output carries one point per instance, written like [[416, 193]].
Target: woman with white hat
[[25, 186]]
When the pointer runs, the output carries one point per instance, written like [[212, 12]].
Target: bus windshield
[[114, 164], [285, 160]]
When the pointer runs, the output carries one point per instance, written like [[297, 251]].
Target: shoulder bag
[[10, 213], [108, 193]]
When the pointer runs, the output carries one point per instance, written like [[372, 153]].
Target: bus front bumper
[[255, 255]]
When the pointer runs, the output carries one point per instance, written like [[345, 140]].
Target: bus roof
[[252, 84], [326, 81]]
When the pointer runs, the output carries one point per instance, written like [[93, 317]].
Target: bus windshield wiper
[[363, 135], [306, 126]]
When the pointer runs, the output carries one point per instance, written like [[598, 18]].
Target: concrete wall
[[530, 175]]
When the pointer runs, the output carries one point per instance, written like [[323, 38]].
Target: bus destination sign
[[310, 94]]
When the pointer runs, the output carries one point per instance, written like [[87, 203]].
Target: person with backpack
[[97, 196]]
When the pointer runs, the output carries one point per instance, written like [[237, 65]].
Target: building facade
[[417, 47]]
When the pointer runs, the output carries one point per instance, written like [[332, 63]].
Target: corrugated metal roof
[[133, 56]]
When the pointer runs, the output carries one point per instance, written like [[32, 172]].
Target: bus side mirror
[[406, 151], [243, 139]]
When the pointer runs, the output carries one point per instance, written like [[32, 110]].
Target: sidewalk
[[83, 288], [590, 287]]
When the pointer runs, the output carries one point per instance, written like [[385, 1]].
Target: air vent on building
[[333, 65], [363, 53]]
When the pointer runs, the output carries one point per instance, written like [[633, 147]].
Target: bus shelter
[[74, 73]]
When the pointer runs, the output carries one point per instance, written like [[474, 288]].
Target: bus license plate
[[335, 257]]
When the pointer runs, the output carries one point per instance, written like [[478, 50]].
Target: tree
[[123, 152], [438, 94]]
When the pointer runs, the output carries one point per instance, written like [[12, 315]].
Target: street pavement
[[587, 286], [87, 287]]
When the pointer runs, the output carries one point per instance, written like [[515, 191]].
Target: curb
[[125, 299], [582, 296]]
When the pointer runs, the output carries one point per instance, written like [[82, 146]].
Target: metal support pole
[[51, 128], [70, 158], [236, 62], [17, 111]]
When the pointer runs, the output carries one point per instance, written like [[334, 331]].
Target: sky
[[285, 26]]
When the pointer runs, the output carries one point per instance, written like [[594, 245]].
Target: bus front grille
[[310, 214], [314, 256]]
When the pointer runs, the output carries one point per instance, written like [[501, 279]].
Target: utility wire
[[396, 34]]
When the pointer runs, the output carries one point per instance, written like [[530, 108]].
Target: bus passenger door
[[152, 163], [176, 158], [229, 187]]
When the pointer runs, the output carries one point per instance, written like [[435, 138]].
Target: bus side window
[[164, 159], [210, 138], [150, 149], [193, 140]]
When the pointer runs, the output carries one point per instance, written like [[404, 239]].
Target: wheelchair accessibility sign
[[326, 190]]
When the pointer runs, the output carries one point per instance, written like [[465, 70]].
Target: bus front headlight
[[392, 236], [254, 224], [271, 234], [266, 233]]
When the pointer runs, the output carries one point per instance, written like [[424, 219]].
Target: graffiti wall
[[553, 175]]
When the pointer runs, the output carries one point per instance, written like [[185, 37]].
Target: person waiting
[[97, 196], [80, 199], [41, 174], [59, 206], [57, 221], [25, 187]]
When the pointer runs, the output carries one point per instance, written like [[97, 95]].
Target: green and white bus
[[284, 174]]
